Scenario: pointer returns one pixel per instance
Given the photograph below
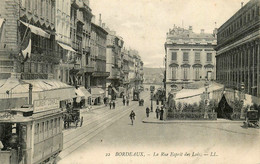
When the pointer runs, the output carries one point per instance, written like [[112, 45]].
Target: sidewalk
[[96, 107], [152, 119]]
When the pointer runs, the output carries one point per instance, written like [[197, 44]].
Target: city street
[[180, 142]]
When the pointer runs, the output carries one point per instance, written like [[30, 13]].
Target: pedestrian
[[124, 101], [157, 112], [127, 102], [147, 111], [161, 113], [114, 104], [110, 104], [132, 117]]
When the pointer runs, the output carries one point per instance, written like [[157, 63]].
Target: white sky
[[143, 24]]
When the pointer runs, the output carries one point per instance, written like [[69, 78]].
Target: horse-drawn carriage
[[72, 115]]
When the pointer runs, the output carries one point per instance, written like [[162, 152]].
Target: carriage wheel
[[81, 121]]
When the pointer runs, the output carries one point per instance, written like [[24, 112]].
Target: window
[[174, 55], [185, 73], [185, 56], [197, 74], [209, 57], [197, 56], [174, 71]]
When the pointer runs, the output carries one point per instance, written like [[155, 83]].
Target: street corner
[[153, 121]]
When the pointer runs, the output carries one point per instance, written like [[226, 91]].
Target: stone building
[[66, 52], [98, 55], [27, 49], [113, 61], [80, 31], [189, 57], [238, 56]]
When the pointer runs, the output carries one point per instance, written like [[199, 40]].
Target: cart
[[72, 116], [252, 119]]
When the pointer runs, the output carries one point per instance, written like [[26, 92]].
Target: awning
[[97, 92], [85, 92], [37, 30], [66, 47], [82, 92], [114, 89], [42, 89]]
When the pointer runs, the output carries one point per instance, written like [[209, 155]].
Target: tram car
[[33, 134]]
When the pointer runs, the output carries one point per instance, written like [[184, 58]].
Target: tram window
[[58, 125], [51, 127]]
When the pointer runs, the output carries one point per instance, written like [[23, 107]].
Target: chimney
[[215, 31], [190, 28], [202, 31], [100, 20], [242, 4]]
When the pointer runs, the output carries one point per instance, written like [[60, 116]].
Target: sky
[[143, 24]]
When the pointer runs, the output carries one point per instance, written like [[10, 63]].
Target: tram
[[31, 134]]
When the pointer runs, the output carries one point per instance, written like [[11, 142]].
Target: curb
[[187, 122]]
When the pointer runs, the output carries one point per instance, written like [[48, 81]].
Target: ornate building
[[113, 60], [238, 56], [189, 57], [28, 43], [66, 52], [98, 55]]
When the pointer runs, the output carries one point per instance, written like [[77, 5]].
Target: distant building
[[189, 57], [238, 56]]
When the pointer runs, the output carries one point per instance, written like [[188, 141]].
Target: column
[[253, 69], [258, 68], [244, 64]]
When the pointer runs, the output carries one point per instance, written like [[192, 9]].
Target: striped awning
[[66, 47], [37, 30]]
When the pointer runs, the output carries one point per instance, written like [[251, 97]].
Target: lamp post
[[206, 99], [152, 90]]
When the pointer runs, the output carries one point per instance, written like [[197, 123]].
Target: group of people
[[159, 112], [125, 101]]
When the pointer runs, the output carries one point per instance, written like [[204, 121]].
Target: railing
[[31, 76]]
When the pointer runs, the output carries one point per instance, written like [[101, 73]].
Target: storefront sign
[[45, 104]]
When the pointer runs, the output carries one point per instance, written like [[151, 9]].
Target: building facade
[[98, 47], [28, 42], [189, 57], [113, 61], [66, 52], [238, 57]]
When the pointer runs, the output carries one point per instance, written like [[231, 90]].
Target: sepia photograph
[[129, 81]]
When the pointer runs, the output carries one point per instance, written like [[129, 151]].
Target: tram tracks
[[76, 138]]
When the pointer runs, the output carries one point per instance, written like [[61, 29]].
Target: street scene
[[133, 81]]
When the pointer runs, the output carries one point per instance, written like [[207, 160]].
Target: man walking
[[147, 111], [157, 112], [127, 101], [124, 101], [161, 113], [114, 104]]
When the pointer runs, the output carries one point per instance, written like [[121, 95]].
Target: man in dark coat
[[114, 104], [127, 101], [147, 111], [161, 113], [157, 112], [124, 101]]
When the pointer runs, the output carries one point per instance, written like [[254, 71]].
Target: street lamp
[[152, 88], [206, 99]]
